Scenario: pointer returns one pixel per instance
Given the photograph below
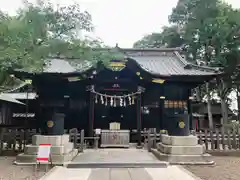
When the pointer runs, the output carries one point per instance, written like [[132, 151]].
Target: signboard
[[43, 152], [28, 81]]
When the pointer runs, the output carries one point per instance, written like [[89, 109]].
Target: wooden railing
[[213, 141], [219, 140], [15, 139], [81, 142]]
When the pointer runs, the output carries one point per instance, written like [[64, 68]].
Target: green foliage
[[169, 37], [40, 30], [209, 32]]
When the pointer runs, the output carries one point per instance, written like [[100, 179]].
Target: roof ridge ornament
[[116, 65]]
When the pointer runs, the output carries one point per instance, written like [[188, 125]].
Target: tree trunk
[[209, 107], [224, 107], [198, 95], [238, 102]]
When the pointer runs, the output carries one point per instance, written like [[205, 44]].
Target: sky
[[120, 21]]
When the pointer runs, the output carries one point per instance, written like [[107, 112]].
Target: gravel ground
[[226, 168], [8, 171]]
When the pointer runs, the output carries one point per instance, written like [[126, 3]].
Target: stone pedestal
[[182, 150], [62, 151]]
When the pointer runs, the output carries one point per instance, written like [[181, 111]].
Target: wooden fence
[[14, 140], [213, 141], [219, 140]]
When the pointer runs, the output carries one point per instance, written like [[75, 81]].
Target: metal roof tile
[[56, 65], [167, 63], [6, 98]]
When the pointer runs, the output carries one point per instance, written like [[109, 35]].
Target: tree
[[208, 31], [212, 35], [154, 40], [40, 30], [169, 37]]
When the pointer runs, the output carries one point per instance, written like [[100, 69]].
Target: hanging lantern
[[133, 102], [96, 99]]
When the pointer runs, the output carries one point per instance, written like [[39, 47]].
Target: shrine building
[[150, 88]]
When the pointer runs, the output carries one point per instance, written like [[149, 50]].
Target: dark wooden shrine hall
[[151, 88]]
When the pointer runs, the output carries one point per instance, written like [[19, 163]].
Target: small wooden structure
[[200, 115]]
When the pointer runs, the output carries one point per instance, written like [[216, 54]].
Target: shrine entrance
[[126, 116], [117, 106]]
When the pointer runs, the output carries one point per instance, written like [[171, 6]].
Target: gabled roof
[[156, 61], [166, 62]]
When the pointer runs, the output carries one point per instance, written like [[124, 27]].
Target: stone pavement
[[110, 158], [115, 155], [169, 173], [118, 164]]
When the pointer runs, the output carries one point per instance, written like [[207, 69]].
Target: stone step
[[55, 150], [159, 164], [204, 159], [53, 140], [181, 150], [179, 140], [56, 159]]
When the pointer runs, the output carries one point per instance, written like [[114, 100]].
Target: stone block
[[56, 150], [56, 159], [179, 140], [53, 140], [180, 150], [203, 159], [62, 150]]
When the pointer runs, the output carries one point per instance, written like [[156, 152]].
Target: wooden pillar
[[190, 114], [91, 114], [161, 111], [139, 120], [38, 117], [161, 108], [189, 104]]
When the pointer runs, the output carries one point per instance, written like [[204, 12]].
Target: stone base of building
[[182, 150], [62, 151]]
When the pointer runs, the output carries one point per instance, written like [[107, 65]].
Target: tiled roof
[[22, 95], [63, 65], [60, 65], [166, 62], [6, 98]]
